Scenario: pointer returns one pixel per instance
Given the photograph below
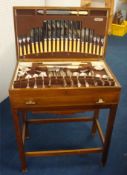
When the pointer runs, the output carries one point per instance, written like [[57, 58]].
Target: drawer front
[[63, 97]]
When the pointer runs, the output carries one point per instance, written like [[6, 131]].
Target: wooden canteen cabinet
[[61, 69]]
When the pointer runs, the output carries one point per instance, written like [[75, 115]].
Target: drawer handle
[[100, 101], [30, 102]]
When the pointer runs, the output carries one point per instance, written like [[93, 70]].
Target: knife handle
[[86, 47], [53, 44], [82, 47], [58, 45], [90, 48], [41, 47], [24, 49], [45, 45], [66, 44], [98, 47], [94, 49], [20, 50], [101, 51], [78, 45], [70, 45], [33, 49], [62, 44], [28, 49], [49, 44], [37, 47], [74, 45]]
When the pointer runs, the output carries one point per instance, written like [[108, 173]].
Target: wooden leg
[[24, 116], [94, 127], [111, 119], [19, 140]]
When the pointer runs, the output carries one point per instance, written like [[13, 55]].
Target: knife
[[78, 28], [62, 36], [32, 41], [86, 39], [40, 40], [45, 33], [82, 40], [90, 41], [70, 35], [54, 36], [49, 35], [58, 35], [66, 35], [74, 36], [36, 33]]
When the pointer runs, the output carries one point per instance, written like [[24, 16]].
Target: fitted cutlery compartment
[[49, 32]]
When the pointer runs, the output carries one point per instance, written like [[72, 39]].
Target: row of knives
[[61, 36]]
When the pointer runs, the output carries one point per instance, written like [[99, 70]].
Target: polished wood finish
[[19, 140], [63, 100], [64, 152], [100, 132], [110, 3], [111, 119], [59, 120], [94, 126]]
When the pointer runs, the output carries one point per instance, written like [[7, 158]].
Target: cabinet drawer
[[63, 97]]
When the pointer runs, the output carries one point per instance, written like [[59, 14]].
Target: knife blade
[[62, 36], [74, 36], [49, 36], [66, 35], [70, 35], [94, 44], [54, 36], [58, 35], [45, 35], [86, 40]]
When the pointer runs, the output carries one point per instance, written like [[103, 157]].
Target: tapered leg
[[96, 116], [24, 116], [111, 119], [19, 141]]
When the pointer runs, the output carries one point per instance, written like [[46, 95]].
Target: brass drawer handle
[[100, 101], [30, 102]]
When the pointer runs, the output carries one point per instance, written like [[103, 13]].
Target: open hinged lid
[[58, 32]]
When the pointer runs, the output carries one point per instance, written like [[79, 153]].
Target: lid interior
[[60, 33]]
